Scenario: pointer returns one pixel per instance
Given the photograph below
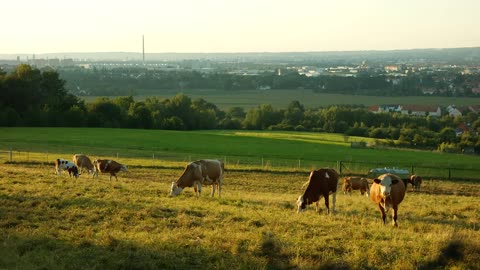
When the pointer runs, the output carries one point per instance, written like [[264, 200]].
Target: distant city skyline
[[219, 26]]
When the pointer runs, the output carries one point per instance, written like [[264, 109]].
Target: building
[[421, 110]]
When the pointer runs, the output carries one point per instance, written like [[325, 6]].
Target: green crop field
[[288, 151], [281, 98]]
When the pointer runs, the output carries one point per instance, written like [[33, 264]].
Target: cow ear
[[394, 181], [376, 180]]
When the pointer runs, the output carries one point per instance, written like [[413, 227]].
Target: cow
[[387, 191], [83, 162], [416, 182], [108, 166], [353, 183], [321, 182], [66, 165], [198, 173]]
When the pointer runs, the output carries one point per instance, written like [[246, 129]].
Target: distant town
[[434, 72]]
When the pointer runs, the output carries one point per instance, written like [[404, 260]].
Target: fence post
[[339, 166], [11, 155], [449, 173], [299, 164], [262, 162], [117, 155]]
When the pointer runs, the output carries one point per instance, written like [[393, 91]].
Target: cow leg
[[382, 211], [317, 206], [199, 190], [213, 188], [334, 201], [394, 215], [220, 181], [327, 203]]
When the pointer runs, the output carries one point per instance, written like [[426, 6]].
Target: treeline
[[132, 81], [29, 97]]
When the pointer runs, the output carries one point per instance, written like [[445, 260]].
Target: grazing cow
[[83, 162], [321, 182], [353, 183], [387, 191], [197, 173], [63, 164], [108, 166], [416, 182]]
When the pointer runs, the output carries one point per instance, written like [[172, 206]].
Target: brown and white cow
[[387, 191], [198, 173], [416, 182], [108, 166], [355, 183], [83, 162], [320, 183], [66, 165]]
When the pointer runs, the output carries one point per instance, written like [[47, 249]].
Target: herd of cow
[[386, 191], [82, 162]]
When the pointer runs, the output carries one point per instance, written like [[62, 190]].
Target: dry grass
[[52, 222]]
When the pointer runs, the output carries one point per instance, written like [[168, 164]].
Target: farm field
[[306, 146], [56, 222], [257, 150], [280, 99]]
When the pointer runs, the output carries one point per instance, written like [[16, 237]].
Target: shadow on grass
[[49, 253], [452, 254]]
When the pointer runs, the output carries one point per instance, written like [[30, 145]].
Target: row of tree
[[29, 97]]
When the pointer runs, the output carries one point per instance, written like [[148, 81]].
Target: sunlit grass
[[56, 222]]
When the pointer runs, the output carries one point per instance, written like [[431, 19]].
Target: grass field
[[280, 99], [288, 151], [55, 222]]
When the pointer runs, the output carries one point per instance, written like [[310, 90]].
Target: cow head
[[123, 168], [74, 170], [301, 204], [175, 189], [385, 182]]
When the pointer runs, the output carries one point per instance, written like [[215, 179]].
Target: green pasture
[[290, 151], [56, 222], [281, 98]]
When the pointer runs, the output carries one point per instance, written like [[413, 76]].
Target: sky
[[53, 26]]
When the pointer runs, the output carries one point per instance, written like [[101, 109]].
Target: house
[[390, 108], [453, 111], [421, 110], [462, 128]]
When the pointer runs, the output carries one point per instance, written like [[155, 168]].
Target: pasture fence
[[262, 163]]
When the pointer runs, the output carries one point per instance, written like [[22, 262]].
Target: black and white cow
[[66, 165]]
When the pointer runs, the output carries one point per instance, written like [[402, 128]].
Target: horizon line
[[249, 52]]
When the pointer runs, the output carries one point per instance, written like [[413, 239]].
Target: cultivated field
[[55, 222], [290, 151], [280, 99]]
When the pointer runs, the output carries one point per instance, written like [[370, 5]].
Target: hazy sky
[[43, 26]]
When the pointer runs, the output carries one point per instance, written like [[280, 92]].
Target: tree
[[448, 135], [139, 116]]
